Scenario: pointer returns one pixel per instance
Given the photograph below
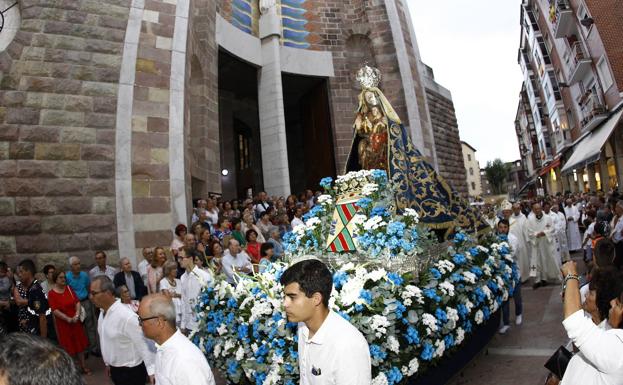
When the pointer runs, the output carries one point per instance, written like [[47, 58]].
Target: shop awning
[[551, 165], [589, 148]]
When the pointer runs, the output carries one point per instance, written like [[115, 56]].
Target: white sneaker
[[504, 329], [518, 320]]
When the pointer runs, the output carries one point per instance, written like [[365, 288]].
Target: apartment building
[[569, 110], [472, 171]]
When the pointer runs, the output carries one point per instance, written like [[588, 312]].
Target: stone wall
[[57, 111]]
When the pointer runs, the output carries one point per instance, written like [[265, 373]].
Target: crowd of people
[[121, 313], [92, 310], [544, 235]]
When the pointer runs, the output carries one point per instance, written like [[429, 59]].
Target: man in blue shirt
[[79, 281]]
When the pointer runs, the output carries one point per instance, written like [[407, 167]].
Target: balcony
[[561, 16], [562, 139], [580, 62], [594, 111]]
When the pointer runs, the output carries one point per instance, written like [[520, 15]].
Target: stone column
[[618, 154], [580, 182], [565, 183], [271, 110], [603, 171], [592, 182]]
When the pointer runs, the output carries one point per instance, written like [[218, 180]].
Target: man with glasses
[[178, 361], [124, 351], [79, 281], [193, 280]]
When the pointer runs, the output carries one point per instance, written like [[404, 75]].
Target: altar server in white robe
[[547, 210], [517, 221], [561, 232], [573, 230], [541, 234]]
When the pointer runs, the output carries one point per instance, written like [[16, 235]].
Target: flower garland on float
[[411, 317]]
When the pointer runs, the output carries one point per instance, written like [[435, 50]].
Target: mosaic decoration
[[293, 23], [245, 16]]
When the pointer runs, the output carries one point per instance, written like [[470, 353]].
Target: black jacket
[[139, 286]]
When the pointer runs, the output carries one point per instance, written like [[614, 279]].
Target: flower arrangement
[[381, 235], [409, 323]]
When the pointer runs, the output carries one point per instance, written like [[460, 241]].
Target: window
[[604, 73], [469, 157], [471, 171], [473, 186]]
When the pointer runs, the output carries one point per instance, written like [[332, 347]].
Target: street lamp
[[225, 172]]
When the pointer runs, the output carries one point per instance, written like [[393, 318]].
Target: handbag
[[557, 363], [83, 312]]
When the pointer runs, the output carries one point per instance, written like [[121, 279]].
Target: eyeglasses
[[141, 320]]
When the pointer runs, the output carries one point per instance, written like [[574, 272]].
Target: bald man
[[130, 279], [178, 361]]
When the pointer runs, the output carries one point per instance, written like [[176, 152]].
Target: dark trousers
[[618, 256], [518, 304], [128, 376]]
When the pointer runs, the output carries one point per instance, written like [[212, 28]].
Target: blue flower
[[377, 352], [462, 310], [358, 308], [441, 316], [486, 312], [339, 278], [394, 376], [427, 352], [289, 368], [476, 270], [366, 295], [232, 303], [448, 341], [344, 315], [395, 278], [364, 202], [412, 335], [435, 273], [243, 332], [474, 251], [260, 377], [459, 237], [456, 277], [432, 294], [277, 317], [459, 259], [480, 295], [325, 183], [232, 367], [400, 309], [379, 211], [379, 174], [467, 326], [503, 237], [396, 228]]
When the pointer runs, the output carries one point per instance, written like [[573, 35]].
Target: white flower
[[259, 309], [381, 379], [460, 336], [487, 291], [469, 305], [369, 189], [469, 277], [379, 324], [358, 219], [311, 223], [412, 291], [374, 223], [409, 212], [445, 266], [299, 230], [325, 199], [452, 313], [240, 353], [479, 317], [414, 365], [431, 323], [377, 274], [351, 290], [441, 347], [392, 344], [486, 269], [222, 329], [447, 288], [217, 350]]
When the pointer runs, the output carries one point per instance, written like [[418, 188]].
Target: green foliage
[[496, 173]]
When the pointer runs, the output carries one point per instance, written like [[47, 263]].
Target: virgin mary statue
[[381, 142]]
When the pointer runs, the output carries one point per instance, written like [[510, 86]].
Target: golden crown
[[368, 77]]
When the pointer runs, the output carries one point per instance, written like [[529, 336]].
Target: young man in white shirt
[[330, 349], [178, 361], [503, 230], [193, 281], [124, 351]]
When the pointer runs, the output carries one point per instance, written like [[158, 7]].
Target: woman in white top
[[599, 358], [172, 287], [211, 212]]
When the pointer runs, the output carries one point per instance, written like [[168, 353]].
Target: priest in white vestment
[[541, 234], [573, 229], [517, 221], [561, 232]]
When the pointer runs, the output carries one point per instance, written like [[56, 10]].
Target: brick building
[[568, 117], [116, 116]]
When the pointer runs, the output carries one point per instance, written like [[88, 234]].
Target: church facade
[[116, 115]]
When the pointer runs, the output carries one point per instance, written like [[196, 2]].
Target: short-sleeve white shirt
[[180, 362], [338, 354]]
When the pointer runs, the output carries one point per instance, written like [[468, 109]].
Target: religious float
[[414, 270]]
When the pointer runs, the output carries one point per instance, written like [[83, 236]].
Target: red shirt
[[253, 249]]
